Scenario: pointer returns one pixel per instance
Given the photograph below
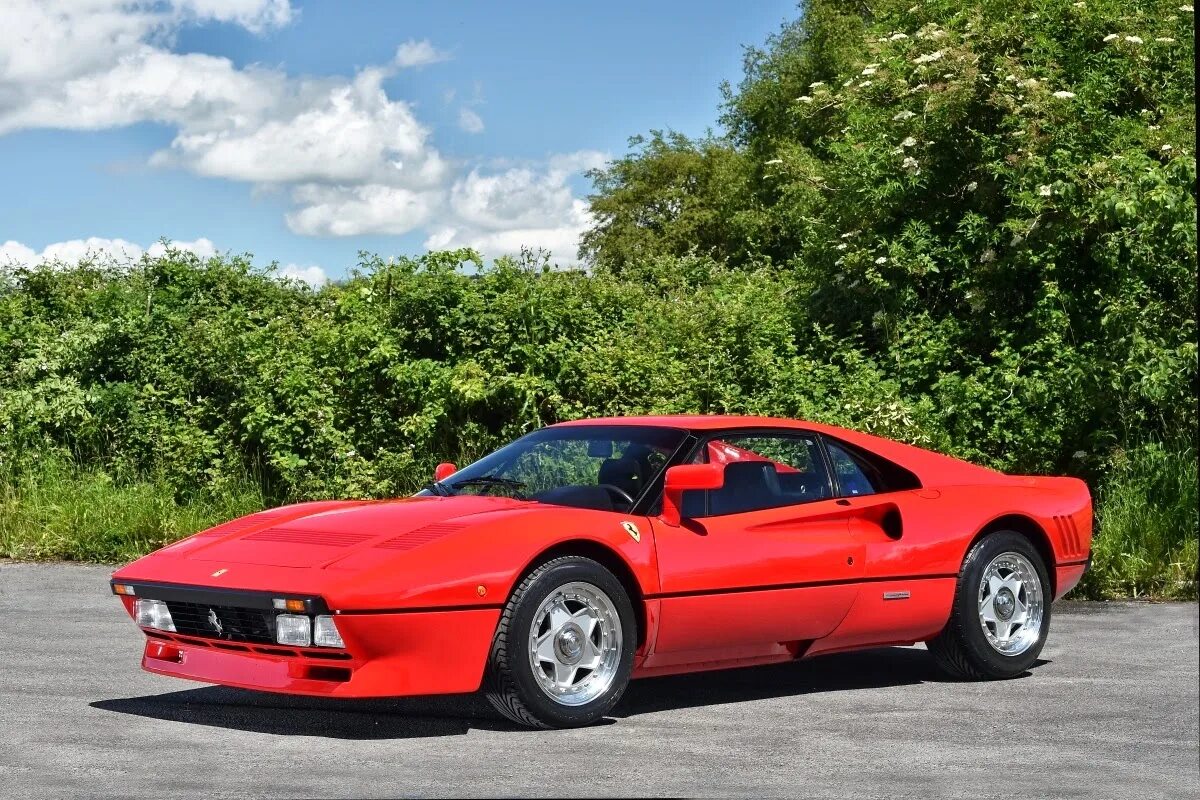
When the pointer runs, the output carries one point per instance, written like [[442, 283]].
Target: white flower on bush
[[881, 260], [1112, 36], [1166, 148], [804, 99], [1187, 9], [773, 161], [868, 71], [908, 142], [1133, 39], [1045, 190], [911, 164], [841, 246], [1165, 40], [1064, 95], [895, 37], [864, 84], [936, 55], [972, 186], [816, 84], [903, 115]]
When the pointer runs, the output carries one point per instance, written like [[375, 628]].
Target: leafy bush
[[967, 226]]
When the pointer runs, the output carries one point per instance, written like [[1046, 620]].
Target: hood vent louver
[[420, 536], [295, 536]]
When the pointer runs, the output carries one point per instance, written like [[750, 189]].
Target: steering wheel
[[618, 491]]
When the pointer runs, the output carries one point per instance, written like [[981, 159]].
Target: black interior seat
[[624, 473], [748, 485]]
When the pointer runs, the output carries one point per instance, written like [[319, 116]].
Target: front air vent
[[407, 541], [252, 521], [323, 538]]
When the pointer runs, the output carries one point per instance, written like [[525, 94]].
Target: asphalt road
[[1112, 711]]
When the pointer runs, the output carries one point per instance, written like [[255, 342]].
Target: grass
[[1147, 513], [62, 512], [1146, 510]]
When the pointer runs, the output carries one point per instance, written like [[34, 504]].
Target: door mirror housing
[[684, 478], [444, 470]]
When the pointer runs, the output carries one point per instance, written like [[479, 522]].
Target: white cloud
[[96, 248], [352, 160], [357, 210], [418, 54], [313, 275], [469, 121], [498, 213]]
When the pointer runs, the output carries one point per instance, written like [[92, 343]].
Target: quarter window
[[851, 478]]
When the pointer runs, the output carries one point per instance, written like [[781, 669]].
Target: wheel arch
[[1031, 530], [606, 557]]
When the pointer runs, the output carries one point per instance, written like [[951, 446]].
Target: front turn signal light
[[325, 632]]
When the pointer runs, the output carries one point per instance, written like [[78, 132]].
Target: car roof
[[695, 422], [932, 468]]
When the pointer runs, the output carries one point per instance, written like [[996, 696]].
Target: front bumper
[[389, 654]]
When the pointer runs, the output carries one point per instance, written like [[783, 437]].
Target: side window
[[766, 471], [851, 477]]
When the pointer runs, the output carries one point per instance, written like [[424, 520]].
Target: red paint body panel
[[417, 584]]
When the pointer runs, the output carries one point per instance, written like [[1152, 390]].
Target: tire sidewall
[[521, 672], [989, 659]]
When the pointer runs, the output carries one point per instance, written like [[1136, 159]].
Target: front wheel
[[563, 650], [1001, 612]]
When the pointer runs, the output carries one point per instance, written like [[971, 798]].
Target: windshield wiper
[[493, 480], [439, 488]]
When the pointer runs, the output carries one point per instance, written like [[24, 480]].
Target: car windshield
[[605, 467]]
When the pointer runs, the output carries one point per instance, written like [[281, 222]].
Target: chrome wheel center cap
[[1005, 604], [569, 643]]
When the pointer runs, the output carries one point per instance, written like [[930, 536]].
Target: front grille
[[234, 623]]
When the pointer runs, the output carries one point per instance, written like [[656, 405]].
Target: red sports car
[[584, 554]]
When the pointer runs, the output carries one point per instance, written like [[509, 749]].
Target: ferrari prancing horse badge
[[632, 530]]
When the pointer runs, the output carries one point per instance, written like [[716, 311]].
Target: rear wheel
[[1001, 611], [564, 647]]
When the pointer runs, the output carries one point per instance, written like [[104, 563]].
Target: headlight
[[293, 629], [154, 614], [325, 632]]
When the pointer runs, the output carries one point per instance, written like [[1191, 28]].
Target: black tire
[[510, 684], [962, 649]]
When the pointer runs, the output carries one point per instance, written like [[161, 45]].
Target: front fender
[[465, 564]]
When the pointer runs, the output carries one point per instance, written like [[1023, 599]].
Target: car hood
[[318, 535]]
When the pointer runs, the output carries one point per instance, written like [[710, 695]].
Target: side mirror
[[687, 477], [444, 470]]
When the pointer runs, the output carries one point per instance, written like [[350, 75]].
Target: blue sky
[[303, 132]]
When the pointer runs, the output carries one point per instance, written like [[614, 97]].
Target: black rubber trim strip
[[775, 587], [1074, 563], [418, 609], [212, 596]]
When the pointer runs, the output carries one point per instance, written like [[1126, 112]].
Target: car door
[[764, 563]]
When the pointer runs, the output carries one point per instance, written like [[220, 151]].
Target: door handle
[[843, 502]]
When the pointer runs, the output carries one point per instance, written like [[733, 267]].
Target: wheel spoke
[[1002, 629], [545, 649], [564, 674], [592, 655], [987, 610], [995, 584], [586, 620], [559, 615]]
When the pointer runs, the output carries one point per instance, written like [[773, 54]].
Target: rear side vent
[[407, 541], [325, 538], [1068, 536]]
